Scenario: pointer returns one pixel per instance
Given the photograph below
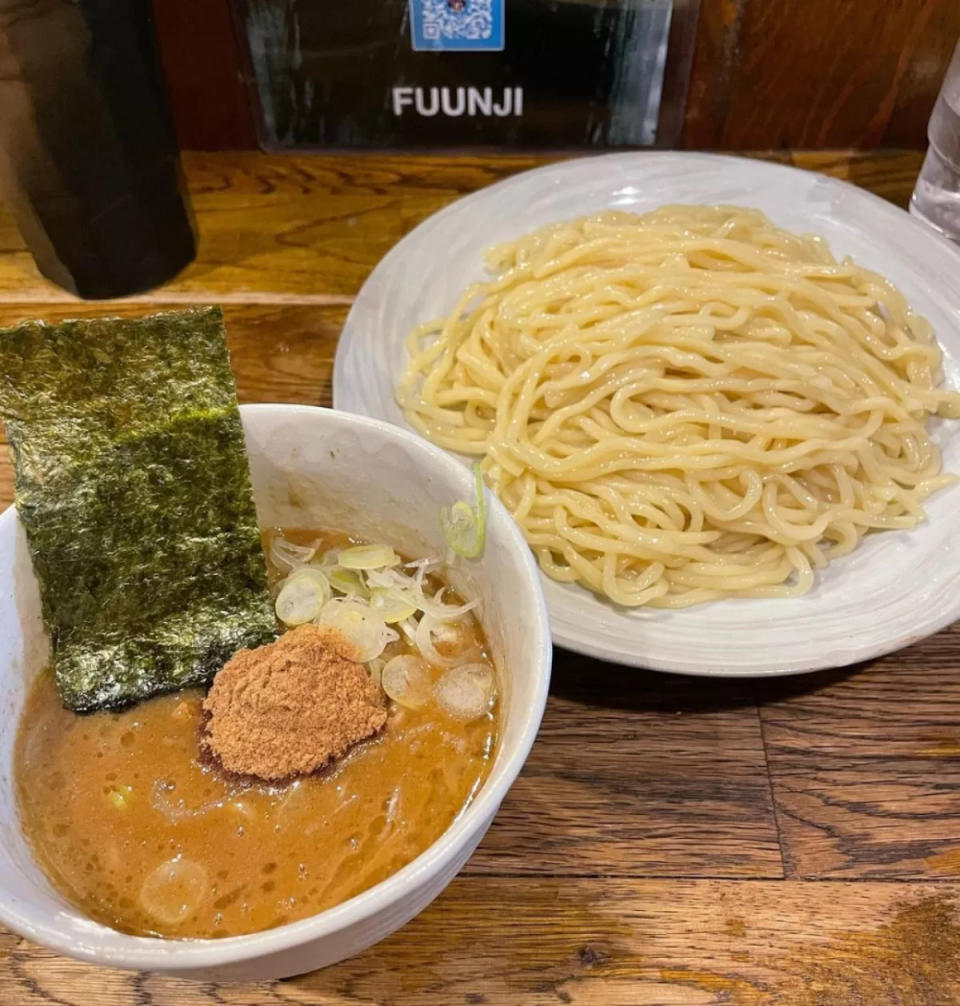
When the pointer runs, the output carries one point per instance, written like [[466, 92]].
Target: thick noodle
[[686, 405]]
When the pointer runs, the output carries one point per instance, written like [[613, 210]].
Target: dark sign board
[[453, 73]]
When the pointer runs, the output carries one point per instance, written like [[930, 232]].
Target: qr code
[[457, 24], [467, 20]]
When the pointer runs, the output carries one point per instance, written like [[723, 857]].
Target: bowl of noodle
[[718, 396]]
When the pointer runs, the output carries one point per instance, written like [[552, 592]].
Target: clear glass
[[936, 199]]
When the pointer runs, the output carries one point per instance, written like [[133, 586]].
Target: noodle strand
[[686, 405]]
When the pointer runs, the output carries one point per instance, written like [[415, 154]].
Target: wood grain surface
[[308, 230], [671, 841], [866, 771], [547, 941]]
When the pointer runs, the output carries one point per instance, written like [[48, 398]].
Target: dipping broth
[[133, 827]]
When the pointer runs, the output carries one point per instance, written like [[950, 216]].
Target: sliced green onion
[[119, 795], [346, 582], [427, 628], [359, 625], [315, 574], [464, 526], [409, 628], [174, 890], [391, 604], [393, 578], [368, 557], [435, 607], [299, 601], [375, 670], [465, 691], [406, 680], [286, 553]]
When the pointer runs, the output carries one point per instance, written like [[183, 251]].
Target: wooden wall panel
[[818, 73]]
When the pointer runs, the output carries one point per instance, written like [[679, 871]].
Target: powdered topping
[[291, 707]]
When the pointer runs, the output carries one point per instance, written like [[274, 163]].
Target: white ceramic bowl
[[317, 467]]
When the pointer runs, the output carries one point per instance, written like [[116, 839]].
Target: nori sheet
[[133, 486]]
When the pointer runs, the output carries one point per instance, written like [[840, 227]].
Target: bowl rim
[[171, 955]]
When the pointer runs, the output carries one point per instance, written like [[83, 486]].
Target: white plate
[[894, 589]]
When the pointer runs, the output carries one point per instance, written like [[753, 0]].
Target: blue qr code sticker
[[457, 25]]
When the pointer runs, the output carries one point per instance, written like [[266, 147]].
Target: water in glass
[[936, 199]]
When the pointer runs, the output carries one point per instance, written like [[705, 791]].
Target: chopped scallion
[[464, 526]]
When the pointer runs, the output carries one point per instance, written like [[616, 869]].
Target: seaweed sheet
[[133, 486]]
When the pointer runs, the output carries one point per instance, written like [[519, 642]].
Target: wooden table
[[671, 840]]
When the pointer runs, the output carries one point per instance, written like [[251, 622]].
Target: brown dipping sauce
[[132, 827]]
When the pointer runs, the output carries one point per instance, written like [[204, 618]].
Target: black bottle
[[89, 165]]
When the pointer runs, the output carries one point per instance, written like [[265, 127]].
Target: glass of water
[[936, 199]]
